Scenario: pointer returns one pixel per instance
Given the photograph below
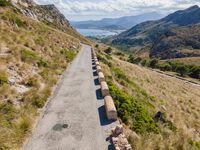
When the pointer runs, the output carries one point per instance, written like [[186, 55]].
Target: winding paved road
[[75, 117]]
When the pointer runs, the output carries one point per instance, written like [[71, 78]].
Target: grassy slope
[[153, 91], [187, 60], [34, 55]]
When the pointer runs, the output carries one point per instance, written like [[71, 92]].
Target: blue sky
[[97, 9]]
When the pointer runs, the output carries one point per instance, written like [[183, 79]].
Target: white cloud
[[118, 7]]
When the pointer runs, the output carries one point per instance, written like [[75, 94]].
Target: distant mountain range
[[116, 23], [176, 35]]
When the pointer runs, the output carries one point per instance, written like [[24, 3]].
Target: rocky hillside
[[47, 14], [37, 44], [174, 36]]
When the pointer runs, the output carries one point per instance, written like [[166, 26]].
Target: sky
[[78, 10]]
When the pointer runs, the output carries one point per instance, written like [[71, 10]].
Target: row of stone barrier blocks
[[119, 140], [111, 111]]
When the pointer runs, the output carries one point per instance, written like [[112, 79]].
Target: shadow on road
[[95, 74], [96, 81], [102, 116], [111, 147], [99, 95], [94, 67]]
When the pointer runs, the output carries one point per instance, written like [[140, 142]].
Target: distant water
[[97, 32]]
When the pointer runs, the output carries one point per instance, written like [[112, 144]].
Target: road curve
[[75, 117]]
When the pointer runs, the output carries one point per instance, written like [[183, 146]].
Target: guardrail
[[119, 140], [111, 111]]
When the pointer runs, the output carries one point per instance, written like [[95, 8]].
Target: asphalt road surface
[[75, 118]]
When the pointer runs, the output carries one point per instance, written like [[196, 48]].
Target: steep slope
[[33, 56], [167, 37], [49, 15], [116, 23], [158, 111]]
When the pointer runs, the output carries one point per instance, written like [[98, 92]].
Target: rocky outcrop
[[48, 14], [51, 15], [119, 139]]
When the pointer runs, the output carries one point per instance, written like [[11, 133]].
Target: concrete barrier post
[[104, 89], [111, 111]]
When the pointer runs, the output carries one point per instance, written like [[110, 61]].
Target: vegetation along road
[[75, 117]]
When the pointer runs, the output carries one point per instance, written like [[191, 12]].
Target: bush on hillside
[[131, 111], [153, 63], [144, 62], [108, 50], [182, 70], [195, 72], [27, 55], [134, 60], [3, 78], [4, 3], [165, 67], [97, 45]]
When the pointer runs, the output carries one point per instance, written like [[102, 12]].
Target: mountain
[[176, 35], [116, 23], [37, 44]]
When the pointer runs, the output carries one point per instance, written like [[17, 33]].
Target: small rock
[[118, 130], [128, 147]]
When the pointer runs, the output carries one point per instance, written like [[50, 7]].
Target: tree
[[108, 50], [195, 72], [153, 63], [182, 70]]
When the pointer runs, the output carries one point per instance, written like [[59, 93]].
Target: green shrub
[[32, 82], [153, 63], [97, 45], [119, 54], [195, 72], [118, 73], [134, 60], [165, 67], [20, 23], [3, 79], [42, 63], [38, 102], [7, 114], [144, 62], [4, 3], [182, 70], [131, 111], [104, 60], [27, 55], [195, 144], [108, 50], [69, 54], [24, 125]]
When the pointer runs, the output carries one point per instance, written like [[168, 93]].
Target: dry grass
[[181, 100], [34, 59], [187, 60]]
